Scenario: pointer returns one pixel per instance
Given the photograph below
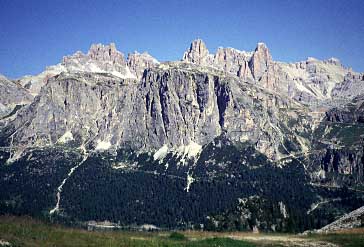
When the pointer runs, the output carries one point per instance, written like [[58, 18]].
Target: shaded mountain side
[[339, 142], [229, 186]]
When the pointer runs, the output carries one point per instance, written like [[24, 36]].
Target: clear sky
[[38, 33]]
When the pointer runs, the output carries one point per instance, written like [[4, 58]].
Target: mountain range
[[227, 141]]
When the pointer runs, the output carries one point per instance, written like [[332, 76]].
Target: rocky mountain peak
[[262, 52], [334, 61], [260, 46], [233, 61], [260, 61], [106, 53], [197, 53], [305, 81], [100, 59], [246, 65], [138, 62]]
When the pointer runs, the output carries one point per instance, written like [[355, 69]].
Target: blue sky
[[37, 33]]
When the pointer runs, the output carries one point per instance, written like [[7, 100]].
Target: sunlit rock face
[[103, 100], [138, 62], [99, 59], [311, 81], [260, 61], [197, 53], [172, 106], [12, 94]]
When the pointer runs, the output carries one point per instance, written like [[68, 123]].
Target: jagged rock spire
[[260, 61], [197, 53]]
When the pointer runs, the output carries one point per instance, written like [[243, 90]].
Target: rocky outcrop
[[12, 94], [256, 65], [197, 53], [104, 53], [309, 81], [350, 87], [99, 59], [229, 60], [260, 62], [138, 62], [351, 220], [349, 112], [342, 162], [338, 145], [34, 83], [171, 105], [233, 61]]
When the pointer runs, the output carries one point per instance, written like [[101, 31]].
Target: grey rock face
[[100, 58], [338, 145], [229, 60], [139, 62], [244, 95], [106, 53], [197, 53], [336, 164], [171, 105], [233, 61], [350, 113], [12, 94], [353, 219], [308, 81], [260, 61], [351, 86]]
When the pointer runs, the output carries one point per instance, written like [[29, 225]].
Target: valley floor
[[25, 231]]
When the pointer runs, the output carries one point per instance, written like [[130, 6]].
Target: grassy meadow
[[26, 231]]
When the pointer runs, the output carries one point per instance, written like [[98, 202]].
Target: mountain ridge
[[219, 56], [223, 123]]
